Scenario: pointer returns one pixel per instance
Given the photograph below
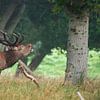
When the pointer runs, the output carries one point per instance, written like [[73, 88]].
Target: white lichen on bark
[[77, 49]]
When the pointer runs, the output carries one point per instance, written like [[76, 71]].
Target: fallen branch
[[79, 94], [27, 72]]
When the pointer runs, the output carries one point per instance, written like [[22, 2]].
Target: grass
[[50, 89], [50, 75], [54, 65]]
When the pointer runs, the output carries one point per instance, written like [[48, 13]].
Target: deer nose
[[32, 50]]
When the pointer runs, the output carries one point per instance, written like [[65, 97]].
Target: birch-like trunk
[[77, 49]]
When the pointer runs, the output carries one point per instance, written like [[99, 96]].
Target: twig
[[79, 94], [27, 73]]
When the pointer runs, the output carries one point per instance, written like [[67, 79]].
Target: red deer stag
[[15, 52]]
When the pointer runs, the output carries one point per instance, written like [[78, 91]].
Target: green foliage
[[94, 30], [77, 6], [51, 27], [94, 63], [40, 24]]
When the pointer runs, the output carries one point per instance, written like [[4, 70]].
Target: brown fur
[[8, 58]]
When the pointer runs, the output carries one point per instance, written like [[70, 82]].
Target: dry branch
[[79, 94], [27, 72]]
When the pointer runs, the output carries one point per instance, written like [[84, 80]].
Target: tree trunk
[[77, 49], [5, 17], [36, 61], [15, 18], [7, 14], [11, 17]]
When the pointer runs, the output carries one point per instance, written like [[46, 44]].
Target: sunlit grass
[[50, 89]]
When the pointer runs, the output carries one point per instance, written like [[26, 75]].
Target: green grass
[[54, 65], [94, 64]]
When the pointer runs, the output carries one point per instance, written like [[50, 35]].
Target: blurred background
[[47, 30]]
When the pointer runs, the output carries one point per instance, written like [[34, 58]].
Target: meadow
[[50, 75], [50, 89], [54, 64]]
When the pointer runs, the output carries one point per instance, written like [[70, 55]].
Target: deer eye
[[29, 45]]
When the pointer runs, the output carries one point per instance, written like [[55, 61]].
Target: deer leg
[[27, 72]]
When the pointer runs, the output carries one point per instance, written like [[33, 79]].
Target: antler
[[17, 39]]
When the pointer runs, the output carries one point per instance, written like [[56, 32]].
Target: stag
[[14, 52]]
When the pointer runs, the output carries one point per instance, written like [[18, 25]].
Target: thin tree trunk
[[36, 61], [15, 18], [5, 17], [77, 49], [7, 14]]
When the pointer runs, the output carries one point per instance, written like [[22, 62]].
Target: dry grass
[[50, 89]]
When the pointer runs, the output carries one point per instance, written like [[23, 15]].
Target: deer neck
[[12, 57]]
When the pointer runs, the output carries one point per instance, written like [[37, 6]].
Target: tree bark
[[15, 18], [36, 61], [77, 49], [11, 17], [7, 14], [5, 17]]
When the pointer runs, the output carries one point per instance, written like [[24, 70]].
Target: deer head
[[15, 49]]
